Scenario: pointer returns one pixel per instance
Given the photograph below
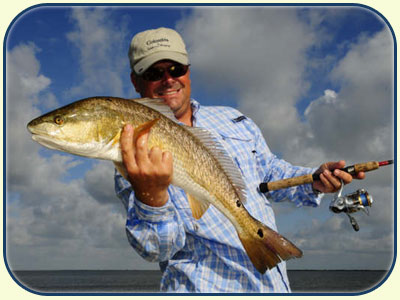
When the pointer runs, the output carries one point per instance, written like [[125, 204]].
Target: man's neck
[[187, 118]]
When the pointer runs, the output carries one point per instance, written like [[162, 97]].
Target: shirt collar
[[195, 108]]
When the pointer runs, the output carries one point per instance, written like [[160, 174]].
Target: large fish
[[92, 127]]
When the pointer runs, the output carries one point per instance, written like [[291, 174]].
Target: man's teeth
[[168, 93]]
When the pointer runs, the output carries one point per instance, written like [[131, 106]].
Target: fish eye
[[58, 120]]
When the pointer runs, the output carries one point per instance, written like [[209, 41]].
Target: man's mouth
[[168, 92]]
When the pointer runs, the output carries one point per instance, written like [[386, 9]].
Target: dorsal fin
[[208, 140], [226, 162], [157, 105]]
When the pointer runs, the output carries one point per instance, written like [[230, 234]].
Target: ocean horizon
[[148, 281]]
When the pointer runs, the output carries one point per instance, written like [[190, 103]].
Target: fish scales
[[187, 150], [91, 127]]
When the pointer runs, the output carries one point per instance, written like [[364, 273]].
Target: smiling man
[[201, 255]]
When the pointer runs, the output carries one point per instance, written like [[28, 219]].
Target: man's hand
[[330, 175], [149, 172]]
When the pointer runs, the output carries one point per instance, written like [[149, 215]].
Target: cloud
[[102, 172], [52, 221], [258, 55], [102, 53], [360, 113], [264, 58]]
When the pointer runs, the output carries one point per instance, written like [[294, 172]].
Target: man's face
[[175, 91]]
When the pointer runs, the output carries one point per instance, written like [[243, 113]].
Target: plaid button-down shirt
[[206, 255]]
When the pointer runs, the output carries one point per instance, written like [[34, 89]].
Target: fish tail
[[266, 248]]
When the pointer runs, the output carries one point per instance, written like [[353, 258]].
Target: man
[[201, 255]]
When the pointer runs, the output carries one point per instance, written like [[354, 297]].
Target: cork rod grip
[[365, 167], [289, 182]]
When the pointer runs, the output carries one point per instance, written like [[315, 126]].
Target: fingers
[[141, 151], [138, 159], [331, 177], [127, 148], [330, 182], [167, 158], [149, 172], [335, 165], [167, 162], [155, 155], [360, 175], [346, 177]]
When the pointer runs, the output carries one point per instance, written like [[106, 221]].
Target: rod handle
[[362, 167], [285, 183]]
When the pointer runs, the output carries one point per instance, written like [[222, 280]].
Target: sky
[[318, 81]]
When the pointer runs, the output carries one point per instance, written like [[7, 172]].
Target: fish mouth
[[34, 129], [48, 142]]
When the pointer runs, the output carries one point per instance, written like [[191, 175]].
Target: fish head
[[86, 128]]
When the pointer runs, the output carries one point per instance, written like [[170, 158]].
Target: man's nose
[[167, 77]]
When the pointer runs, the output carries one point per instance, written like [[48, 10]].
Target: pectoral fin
[[143, 129], [198, 207], [116, 138]]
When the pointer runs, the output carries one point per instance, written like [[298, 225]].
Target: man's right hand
[[149, 172]]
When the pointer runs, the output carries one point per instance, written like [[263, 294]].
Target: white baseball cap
[[148, 47]]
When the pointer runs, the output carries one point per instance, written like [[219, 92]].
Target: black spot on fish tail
[[267, 248]]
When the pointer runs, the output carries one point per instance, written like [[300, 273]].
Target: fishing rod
[[310, 178], [360, 200]]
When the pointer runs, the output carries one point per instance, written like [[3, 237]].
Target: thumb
[[336, 165]]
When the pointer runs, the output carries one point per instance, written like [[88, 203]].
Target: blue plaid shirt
[[206, 255]]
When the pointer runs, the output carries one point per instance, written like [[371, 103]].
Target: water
[[148, 281]]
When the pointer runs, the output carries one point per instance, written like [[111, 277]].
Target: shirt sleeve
[[273, 169], [156, 233]]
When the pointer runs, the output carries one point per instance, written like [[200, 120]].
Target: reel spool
[[351, 203]]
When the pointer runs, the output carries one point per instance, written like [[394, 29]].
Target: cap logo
[[157, 43]]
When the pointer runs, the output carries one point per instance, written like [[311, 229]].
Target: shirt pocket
[[241, 147]]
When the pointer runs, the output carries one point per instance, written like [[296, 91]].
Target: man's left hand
[[331, 176]]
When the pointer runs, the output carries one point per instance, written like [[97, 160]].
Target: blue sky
[[318, 82]]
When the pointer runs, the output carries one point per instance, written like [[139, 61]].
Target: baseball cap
[[150, 46]]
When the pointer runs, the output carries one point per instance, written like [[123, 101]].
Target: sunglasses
[[155, 74]]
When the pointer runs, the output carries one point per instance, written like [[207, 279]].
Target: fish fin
[[198, 207], [224, 159], [116, 138], [266, 248], [158, 105], [208, 140], [121, 169], [143, 129]]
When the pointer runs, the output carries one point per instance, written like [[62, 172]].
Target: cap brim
[[146, 62]]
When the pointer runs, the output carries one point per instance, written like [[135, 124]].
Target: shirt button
[[196, 227]]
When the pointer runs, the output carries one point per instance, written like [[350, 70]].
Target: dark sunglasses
[[155, 74]]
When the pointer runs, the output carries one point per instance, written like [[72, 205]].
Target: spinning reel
[[351, 203]]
